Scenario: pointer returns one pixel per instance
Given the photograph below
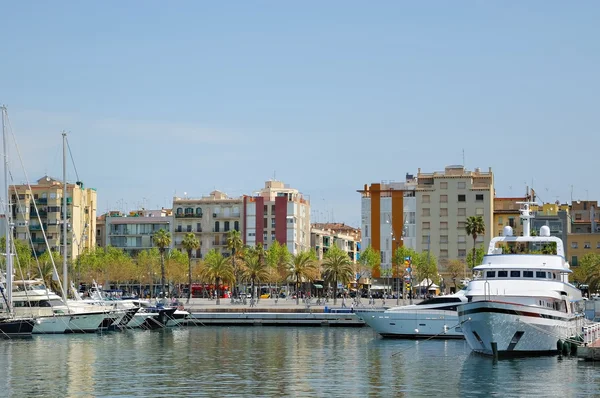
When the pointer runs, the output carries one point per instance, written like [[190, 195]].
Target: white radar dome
[[508, 231], [545, 231]]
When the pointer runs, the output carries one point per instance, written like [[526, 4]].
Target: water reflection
[[262, 361]]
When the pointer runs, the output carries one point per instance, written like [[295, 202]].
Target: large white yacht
[[521, 303], [52, 315], [436, 317]]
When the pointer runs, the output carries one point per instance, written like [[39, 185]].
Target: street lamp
[[394, 260]]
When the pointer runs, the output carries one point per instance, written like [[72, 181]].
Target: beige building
[[507, 213], [323, 236], [210, 218], [580, 244], [444, 201], [277, 213], [47, 197]]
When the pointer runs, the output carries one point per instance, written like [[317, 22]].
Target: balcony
[[37, 227], [38, 240], [179, 215], [41, 201]]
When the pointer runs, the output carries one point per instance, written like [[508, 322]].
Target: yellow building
[[581, 244], [46, 197], [506, 213]]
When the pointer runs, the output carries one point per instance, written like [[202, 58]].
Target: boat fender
[[573, 349], [566, 348], [559, 346]]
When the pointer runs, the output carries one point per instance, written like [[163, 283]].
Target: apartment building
[[388, 217], [506, 213], [585, 217], [277, 213], [132, 232], [580, 244], [444, 201], [556, 217], [323, 236], [210, 218], [41, 207], [584, 235]]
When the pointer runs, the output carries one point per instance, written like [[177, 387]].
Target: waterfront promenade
[[283, 305]]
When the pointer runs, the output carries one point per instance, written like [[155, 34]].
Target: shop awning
[[317, 286]]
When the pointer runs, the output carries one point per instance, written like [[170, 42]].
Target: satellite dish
[[47, 178]]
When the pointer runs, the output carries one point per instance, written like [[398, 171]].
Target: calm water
[[263, 361]]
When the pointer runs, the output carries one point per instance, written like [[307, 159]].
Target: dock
[[590, 350]]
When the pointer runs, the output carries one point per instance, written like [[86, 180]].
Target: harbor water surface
[[275, 361]]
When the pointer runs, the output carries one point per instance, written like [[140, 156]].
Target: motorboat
[[521, 302], [435, 317]]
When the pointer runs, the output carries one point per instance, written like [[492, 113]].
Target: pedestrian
[[343, 301], [351, 307]]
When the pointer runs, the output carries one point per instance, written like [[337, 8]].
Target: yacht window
[[527, 274], [490, 274], [540, 274], [553, 276], [515, 274], [502, 274], [549, 275]]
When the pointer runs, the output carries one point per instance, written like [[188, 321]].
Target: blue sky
[[163, 98]]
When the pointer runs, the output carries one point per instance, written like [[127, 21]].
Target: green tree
[[277, 257], [217, 268], [479, 253], [588, 271], [46, 270], [162, 240], [255, 269], [190, 243], [235, 244], [337, 267], [425, 268], [366, 263], [455, 268], [475, 226], [177, 267], [302, 266], [148, 263]]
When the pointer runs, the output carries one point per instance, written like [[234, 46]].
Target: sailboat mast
[[7, 246], [64, 217]]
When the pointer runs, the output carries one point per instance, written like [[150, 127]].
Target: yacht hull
[[51, 325], [85, 323], [11, 328], [413, 324], [517, 330]]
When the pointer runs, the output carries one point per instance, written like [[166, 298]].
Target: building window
[[511, 222], [444, 253], [198, 227], [382, 257], [443, 238], [226, 226], [462, 211], [462, 238], [426, 199], [462, 253], [500, 221], [479, 197], [425, 239], [265, 210], [462, 185], [443, 198], [444, 185], [426, 224], [574, 260], [217, 226], [444, 212], [587, 245], [188, 228], [198, 212], [574, 245], [443, 225], [265, 221], [479, 211], [461, 225], [426, 212], [597, 245], [236, 225], [577, 216], [462, 198]]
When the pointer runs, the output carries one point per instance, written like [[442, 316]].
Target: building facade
[[444, 201], [506, 213], [325, 235], [210, 218], [277, 213], [388, 217], [585, 217], [41, 208], [556, 217], [133, 232], [580, 244]]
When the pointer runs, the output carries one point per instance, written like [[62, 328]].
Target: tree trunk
[[218, 292], [474, 241], [189, 276], [297, 290], [162, 273], [334, 292]]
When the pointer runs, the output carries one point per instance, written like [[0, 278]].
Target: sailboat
[[10, 325]]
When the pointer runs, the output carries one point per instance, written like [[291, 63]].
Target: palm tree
[[475, 226], [217, 268], [255, 269], [190, 242], [235, 244], [162, 239], [278, 257], [302, 265], [337, 267]]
